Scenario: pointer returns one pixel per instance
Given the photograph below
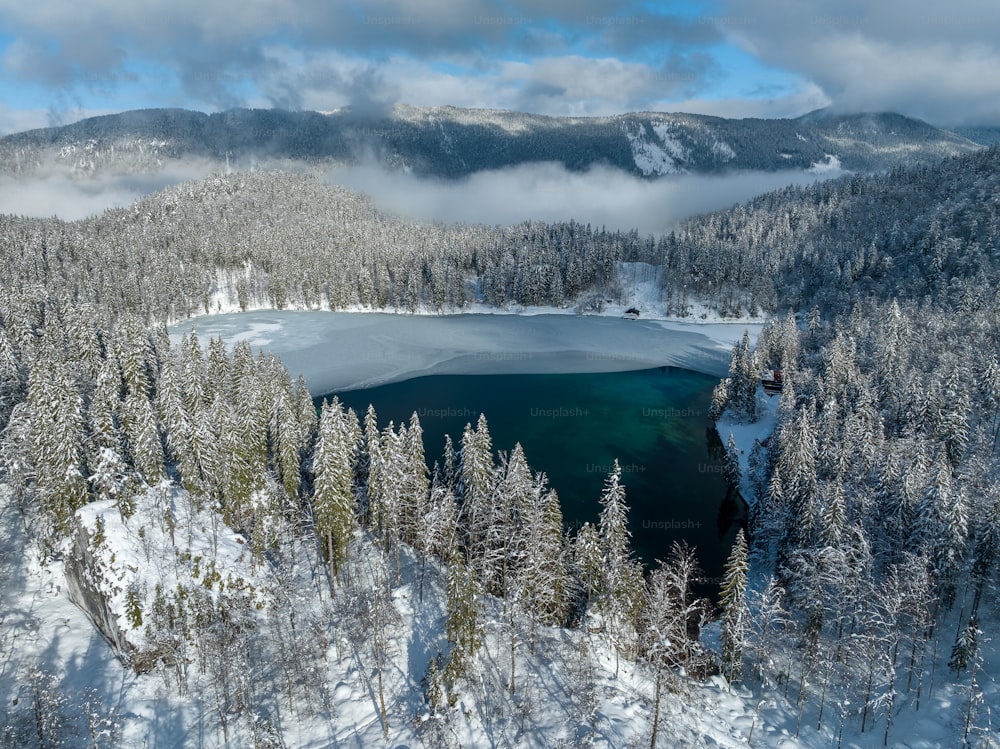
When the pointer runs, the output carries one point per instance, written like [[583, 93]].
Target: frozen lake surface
[[350, 350]]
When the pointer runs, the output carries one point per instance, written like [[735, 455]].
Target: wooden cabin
[[771, 380]]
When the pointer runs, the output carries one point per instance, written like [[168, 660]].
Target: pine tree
[[720, 399], [742, 382], [104, 411], [464, 627], [56, 420], [449, 463], [944, 521], [142, 437], [732, 599], [476, 476], [621, 579], [588, 559], [732, 463], [416, 490], [965, 648], [333, 488], [539, 576], [797, 467], [287, 433]]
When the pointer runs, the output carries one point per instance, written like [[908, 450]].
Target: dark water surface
[[573, 426]]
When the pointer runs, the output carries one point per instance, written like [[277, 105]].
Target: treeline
[[928, 231], [278, 240]]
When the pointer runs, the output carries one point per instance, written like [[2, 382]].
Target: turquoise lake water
[[573, 426]]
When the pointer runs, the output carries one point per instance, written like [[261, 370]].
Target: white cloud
[[548, 192], [18, 120], [71, 198], [807, 98], [226, 52], [555, 85], [938, 62]]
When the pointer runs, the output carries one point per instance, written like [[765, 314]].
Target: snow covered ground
[[567, 694]]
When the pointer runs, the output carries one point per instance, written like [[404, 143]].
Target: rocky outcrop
[[86, 590]]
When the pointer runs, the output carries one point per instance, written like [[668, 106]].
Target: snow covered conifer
[[417, 481], [449, 463], [588, 561], [333, 489], [742, 382], [464, 626], [621, 577], [965, 648], [720, 399], [732, 599], [732, 463], [288, 434], [56, 439], [142, 436], [476, 475]]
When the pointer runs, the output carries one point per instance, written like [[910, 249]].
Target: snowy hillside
[[450, 142]]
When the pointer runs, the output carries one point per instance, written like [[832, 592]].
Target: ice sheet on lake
[[344, 351]]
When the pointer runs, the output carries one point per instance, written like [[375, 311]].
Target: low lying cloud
[[601, 196], [549, 192], [58, 193]]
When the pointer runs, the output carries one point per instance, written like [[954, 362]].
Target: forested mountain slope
[[929, 231], [275, 239], [272, 239], [451, 142]]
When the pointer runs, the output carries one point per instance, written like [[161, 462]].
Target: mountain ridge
[[451, 142]]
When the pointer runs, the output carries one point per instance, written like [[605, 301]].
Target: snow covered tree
[[333, 489], [476, 474], [743, 381], [731, 463], [943, 523], [720, 399], [620, 586], [767, 620], [56, 439], [732, 599], [449, 463], [588, 560], [668, 618], [416, 482], [540, 575], [464, 627], [965, 648], [287, 433], [142, 437]]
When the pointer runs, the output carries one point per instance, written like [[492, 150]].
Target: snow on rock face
[[86, 590], [652, 157], [723, 151], [116, 567], [830, 166]]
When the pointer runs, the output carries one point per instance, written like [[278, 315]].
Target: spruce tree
[[732, 599], [464, 627], [333, 488], [621, 578]]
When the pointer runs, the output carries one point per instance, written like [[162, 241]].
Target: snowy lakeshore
[[350, 350]]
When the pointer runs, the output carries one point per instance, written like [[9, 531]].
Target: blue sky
[[61, 60]]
